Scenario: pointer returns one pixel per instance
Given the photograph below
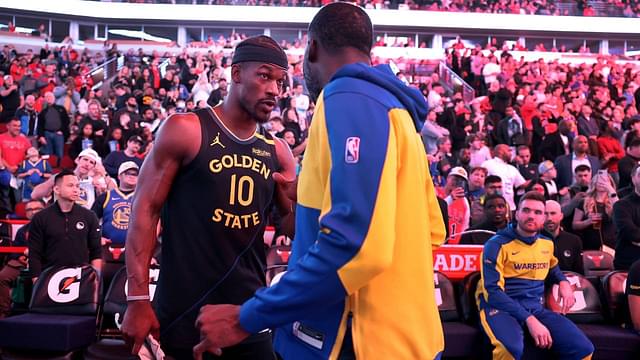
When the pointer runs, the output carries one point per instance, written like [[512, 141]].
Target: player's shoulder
[[180, 127]]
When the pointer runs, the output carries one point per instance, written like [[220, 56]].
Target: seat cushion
[[612, 342], [109, 349], [47, 332], [460, 339]]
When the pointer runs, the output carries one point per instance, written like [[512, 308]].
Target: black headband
[[262, 54]]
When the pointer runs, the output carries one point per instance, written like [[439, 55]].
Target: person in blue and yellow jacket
[[515, 264], [360, 277]]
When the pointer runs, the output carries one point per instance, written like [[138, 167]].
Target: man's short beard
[[252, 113]]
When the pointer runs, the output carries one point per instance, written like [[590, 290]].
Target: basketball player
[[360, 280], [211, 174]]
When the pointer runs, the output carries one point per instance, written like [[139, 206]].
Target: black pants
[[256, 347], [347, 352]]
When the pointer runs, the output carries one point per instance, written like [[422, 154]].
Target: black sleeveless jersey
[[213, 224]]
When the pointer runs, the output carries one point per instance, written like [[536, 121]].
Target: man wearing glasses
[[16, 262]]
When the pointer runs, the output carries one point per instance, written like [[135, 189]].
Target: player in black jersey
[[212, 176]]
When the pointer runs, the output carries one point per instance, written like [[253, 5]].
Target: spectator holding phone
[[456, 190]]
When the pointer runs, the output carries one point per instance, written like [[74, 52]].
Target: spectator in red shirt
[[589, 11], [13, 146], [610, 151], [13, 149]]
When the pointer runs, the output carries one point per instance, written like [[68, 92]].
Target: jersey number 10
[[243, 198]]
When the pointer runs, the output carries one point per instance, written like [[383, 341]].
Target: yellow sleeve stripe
[[316, 162], [106, 200], [376, 252]]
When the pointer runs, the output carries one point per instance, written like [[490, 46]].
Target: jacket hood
[[510, 233], [383, 76]]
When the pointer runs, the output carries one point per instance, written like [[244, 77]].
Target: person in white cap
[[548, 174], [114, 206], [458, 206], [85, 165]]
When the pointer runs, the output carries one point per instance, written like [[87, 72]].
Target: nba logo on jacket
[[352, 150]]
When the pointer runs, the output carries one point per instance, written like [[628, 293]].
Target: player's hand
[[565, 294], [539, 333], [285, 178], [139, 321], [219, 328]]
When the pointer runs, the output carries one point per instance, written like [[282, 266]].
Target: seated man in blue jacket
[[515, 264]]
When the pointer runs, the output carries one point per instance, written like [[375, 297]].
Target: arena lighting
[[138, 35]]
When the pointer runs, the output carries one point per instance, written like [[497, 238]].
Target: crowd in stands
[[539, 116], [569, 132], [618, 8]]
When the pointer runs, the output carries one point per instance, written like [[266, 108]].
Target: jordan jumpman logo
[[216, 141]]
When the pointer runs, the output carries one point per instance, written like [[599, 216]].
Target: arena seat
[[445, 297], [597, 263], [468, 297], [460, 339], [115, 304], [611, 341], [19, 211], [53, 161], [61, 318], [67, 163], [277, 260], [613, 285], [112, 261], [587, 308]]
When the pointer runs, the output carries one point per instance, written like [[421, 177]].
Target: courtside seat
[[587, 308], [61, 318], [596, 265], [460, 339], [113, 256], [277, 260], [611, 341], [468, 297], [115, 304], [614, 286], [445, 297]]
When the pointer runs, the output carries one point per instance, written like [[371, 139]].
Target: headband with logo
[[252, 52]]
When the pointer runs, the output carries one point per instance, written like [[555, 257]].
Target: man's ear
[[236, 70], [313, 50]]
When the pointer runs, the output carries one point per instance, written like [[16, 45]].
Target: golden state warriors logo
[[121, 214], [83, 198]]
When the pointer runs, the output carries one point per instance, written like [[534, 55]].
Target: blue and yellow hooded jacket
[[366, 221], [514, 270]]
